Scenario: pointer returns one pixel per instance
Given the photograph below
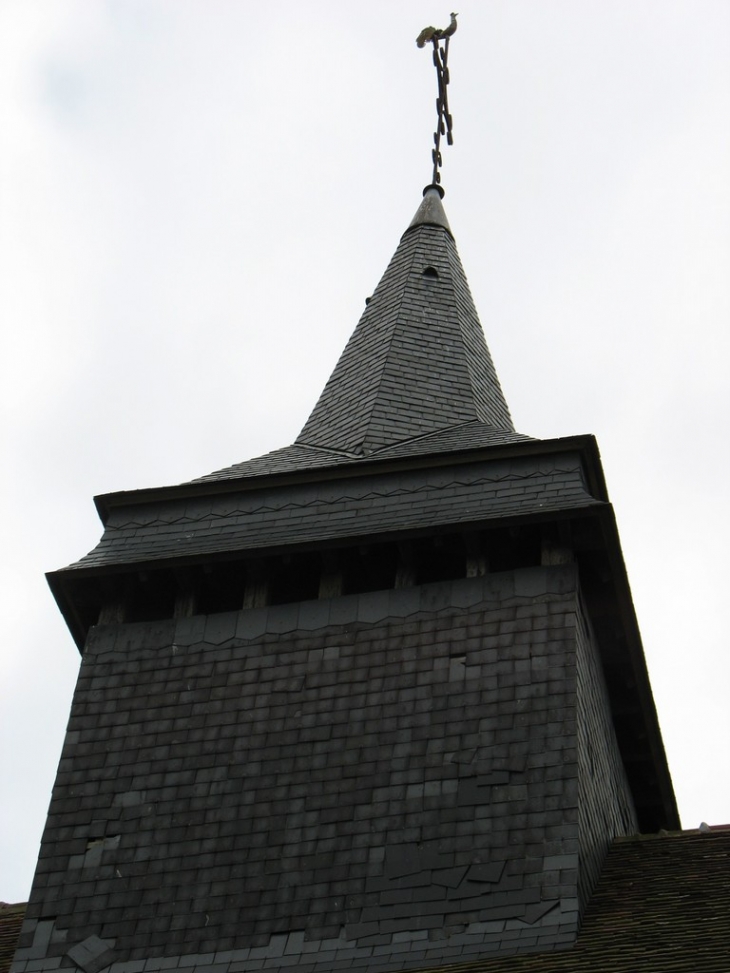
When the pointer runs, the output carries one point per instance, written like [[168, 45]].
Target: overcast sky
[[196, 196]]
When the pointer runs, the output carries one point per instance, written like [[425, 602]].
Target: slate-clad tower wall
[[337, 776], [605, 807], [373, 701]]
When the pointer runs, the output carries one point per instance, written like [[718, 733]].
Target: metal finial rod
[[443, 116]]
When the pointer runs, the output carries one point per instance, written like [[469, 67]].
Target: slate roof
[[416, 373], [348, 507], [662, 905], [11, 919], [415, 380], [469, 435], [417, 360]]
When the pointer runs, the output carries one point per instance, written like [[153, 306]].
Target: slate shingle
[[299, 457], [342, 508], [416, 365], [235, 803], [417, 361]]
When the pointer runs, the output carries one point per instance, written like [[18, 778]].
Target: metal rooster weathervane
[[440, 59]]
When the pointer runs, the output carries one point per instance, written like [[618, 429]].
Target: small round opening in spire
[[429, 272]]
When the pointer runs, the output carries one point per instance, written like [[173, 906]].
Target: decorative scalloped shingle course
[[342, 508]]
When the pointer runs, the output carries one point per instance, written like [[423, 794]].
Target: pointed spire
[[417, 362]]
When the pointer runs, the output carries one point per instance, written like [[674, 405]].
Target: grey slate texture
[[468, 435], [92, 955], [604, 809], [381, 780], [416, 365], [417, 361], [344, 508]]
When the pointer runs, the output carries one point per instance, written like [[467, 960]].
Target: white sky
[[196, 196]]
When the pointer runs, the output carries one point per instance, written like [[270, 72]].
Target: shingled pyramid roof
[[417, 361], [416, 373]]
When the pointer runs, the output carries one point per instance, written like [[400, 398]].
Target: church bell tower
[[375, 701]]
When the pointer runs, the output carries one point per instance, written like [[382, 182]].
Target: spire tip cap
[[431, 212], [434, 185]]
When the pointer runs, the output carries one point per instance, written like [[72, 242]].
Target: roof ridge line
[[329, 450], [388, 352], [432, 432]]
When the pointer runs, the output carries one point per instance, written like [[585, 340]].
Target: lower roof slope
[[11, 919], [662, 905], [299, 457]]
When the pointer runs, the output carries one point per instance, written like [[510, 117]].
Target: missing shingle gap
[[106, 842]]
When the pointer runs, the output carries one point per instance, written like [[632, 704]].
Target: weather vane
[[440, 59]]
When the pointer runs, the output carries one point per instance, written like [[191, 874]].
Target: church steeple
[[374, 701], [417, 362]]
